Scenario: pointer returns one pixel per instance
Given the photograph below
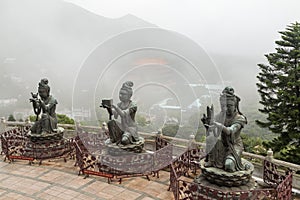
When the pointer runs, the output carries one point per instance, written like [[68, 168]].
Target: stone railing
[[183, 143]]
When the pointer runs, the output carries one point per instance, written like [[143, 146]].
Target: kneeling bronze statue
[[124, 132], [45, 127]]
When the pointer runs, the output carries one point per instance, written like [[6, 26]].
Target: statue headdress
[[228, 95], [43, 84], [127, 86]]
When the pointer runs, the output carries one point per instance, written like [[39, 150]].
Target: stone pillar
[[27, 121], [192, 142], [269, 156], [2, 124], [159, 133]]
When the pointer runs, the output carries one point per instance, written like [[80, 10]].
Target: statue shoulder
[[52, 100], [132, 104], [241, 119]]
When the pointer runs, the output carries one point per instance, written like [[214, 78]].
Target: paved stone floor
[[58, 180]]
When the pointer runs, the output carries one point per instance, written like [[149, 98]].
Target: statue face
[[43, 93], [230, 108], [124, 96]]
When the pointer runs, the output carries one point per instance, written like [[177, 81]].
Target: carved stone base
[[224, 178], [114, 149], [236, 190], [44, 136]]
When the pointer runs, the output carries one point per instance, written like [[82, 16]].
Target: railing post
[[159, 133], [2, 124], [192, 142], [269, 156], [27, 121]]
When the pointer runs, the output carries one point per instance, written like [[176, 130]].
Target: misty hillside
[[50, 38]]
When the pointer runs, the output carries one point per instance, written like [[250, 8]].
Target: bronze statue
[[124, 133], [43, 101], [224, 145]]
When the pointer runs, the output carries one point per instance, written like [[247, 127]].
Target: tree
[[11, 118], [141, 120], [170, 130], [61, 119], [64, 119], [278, 86]]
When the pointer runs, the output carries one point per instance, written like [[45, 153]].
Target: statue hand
[[205, 120], [104, 106], [42, 103], [217, 124]]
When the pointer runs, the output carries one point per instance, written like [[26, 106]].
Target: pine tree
[[278, 86], [11, 118]]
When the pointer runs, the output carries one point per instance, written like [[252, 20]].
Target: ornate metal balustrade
[[279, 186], [16, 145], [94, 160]]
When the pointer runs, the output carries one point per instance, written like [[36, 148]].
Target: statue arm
[[229, 130], [47, 107], [117, 111]]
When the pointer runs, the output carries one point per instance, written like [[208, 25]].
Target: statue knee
[[125, 140], [229, 165]]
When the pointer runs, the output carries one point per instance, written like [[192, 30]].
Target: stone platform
[[58, 135], [58, 180], [117, 150], [223, 178]]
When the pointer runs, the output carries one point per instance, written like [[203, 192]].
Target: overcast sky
[[219, 26]]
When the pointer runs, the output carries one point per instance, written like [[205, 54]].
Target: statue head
[[229, 101], [44, 89], [126, 91]]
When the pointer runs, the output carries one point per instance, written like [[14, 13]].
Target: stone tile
[[95, 187], [65, 196], [2, 164], [57, 177], [44, 196], [14, 196], [167, 195], [147, 198], [112, 189], [12, 180], [3, 176], [25, 185], [71, 193], [85, 197], [127, 194], [105, 195], [8, 168], [154, 189], [138, 184], [58, 180], [51, 192], [2, 192], [78, 181], [163, 177]]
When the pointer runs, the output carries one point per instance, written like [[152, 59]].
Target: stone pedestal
[[55, 136], [117, 150], [236, 190], [221, 177]]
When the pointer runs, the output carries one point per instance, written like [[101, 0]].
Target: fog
[[88, 48]]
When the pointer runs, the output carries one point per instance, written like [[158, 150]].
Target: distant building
[[81, 114], [8, 102]]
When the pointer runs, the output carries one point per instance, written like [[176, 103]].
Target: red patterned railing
[[280, 186], [16, 145]]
